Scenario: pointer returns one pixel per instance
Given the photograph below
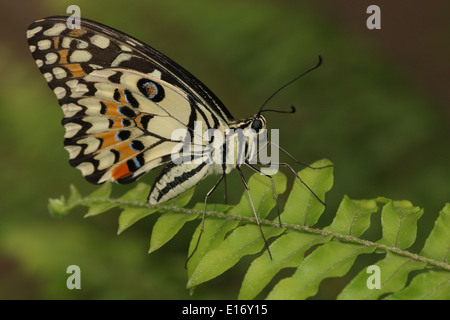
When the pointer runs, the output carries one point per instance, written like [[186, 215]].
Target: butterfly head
[[258, 123]]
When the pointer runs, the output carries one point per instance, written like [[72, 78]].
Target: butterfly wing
[[121, 99]]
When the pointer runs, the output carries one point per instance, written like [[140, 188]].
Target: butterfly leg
[[300, 179], [225, 198], [295, 160], [204, 215], [254, 211], [273, 189], [292, 169]]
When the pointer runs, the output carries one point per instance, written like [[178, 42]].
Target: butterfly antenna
[[279, 111], [284, 86]]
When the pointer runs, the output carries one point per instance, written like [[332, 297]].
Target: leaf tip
[[57, 207]]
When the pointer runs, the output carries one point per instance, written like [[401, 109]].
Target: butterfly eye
[[257, 125]]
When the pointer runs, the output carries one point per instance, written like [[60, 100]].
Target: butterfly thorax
[[242, 139]]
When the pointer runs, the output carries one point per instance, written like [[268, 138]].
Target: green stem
[[221, 215]]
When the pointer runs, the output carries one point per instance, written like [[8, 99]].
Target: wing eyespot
[[152, 90]]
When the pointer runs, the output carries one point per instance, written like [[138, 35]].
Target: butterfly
[[122, 100]]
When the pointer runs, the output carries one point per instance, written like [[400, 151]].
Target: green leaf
[[97, 209], [399, 223], [138, 194], [168, 225], [430, 285], [58, 207], [132, 214], [100, 203], [353, 217], [262, 195], [437, 245], [287, 251], [243, 240], [332, 259], [74, 195], [215, 231], [394, 272], [302, 207], [231, 232], [101, 193]]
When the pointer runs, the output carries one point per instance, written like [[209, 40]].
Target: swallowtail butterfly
[[122, 100]]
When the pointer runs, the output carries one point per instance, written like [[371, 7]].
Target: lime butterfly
[[122, 100]]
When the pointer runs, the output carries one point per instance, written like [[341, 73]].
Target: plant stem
[[221, 215]]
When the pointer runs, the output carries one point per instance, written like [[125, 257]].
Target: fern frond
[[230, 233]]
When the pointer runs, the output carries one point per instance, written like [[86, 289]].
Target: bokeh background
[[378, 107]]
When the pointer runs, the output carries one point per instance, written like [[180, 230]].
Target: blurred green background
[[377, 107]]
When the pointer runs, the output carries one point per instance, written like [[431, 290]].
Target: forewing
[[113, 48], [121, 99]]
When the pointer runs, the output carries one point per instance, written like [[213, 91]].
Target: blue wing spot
[[135, 163]]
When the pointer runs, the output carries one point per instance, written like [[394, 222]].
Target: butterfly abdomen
[[175, 179]]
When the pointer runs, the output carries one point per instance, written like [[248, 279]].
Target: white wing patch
[[55, 30], [80, 56], [100, 41]]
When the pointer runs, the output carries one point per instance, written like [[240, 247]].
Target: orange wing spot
[[56, 42], [76, 70], [63, 56], [121, 171], [117, 124], [109, 139], [112, 109], [138, 118], [76, 32], [125, 151]]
